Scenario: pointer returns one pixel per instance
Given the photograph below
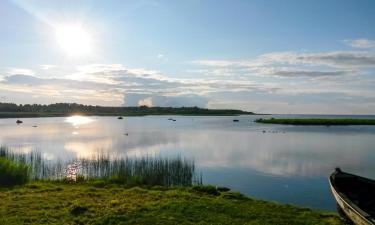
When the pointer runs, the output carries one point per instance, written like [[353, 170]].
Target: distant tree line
[[60, 109]]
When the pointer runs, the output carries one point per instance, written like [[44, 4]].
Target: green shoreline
[[4, 115], [318, 122], [10, 110], [48, 202]]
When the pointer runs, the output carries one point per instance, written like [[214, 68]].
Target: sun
[[74, 40]]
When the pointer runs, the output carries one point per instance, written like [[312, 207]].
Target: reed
[[12, 173], [145, 170]]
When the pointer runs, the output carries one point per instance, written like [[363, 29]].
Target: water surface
[[283, 163]]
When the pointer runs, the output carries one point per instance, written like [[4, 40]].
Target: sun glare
[[78, 120], [74, 40]]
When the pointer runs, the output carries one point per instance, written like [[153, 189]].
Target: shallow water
[[284, 163]]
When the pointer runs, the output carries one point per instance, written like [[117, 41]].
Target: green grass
[[12, 173], [315, 121], [88, 203]]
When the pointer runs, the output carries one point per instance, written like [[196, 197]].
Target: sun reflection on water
[[78, 120]]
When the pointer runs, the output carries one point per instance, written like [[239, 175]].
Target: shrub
[[99, 183], [13, 173], [234, 195], [78, 209], [209, 189]]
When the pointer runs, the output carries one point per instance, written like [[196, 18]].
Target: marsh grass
[[12, 173], [317, 121], [123, 170]]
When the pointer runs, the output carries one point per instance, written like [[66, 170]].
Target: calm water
[[287, 164]]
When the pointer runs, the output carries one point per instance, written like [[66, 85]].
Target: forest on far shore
[[11, 110]]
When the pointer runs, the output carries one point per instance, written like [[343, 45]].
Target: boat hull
[[351, 211]]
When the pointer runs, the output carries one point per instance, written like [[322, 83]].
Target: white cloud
[[268, 83], [145, 102], [292, 82], [47, 66], [361, 43], [293, 72], [21, 71], [94, 68], [112, 73], [188, 100], [336, 59], [292, 65]]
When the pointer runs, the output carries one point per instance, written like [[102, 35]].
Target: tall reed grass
[[147, 170], [12, 173]]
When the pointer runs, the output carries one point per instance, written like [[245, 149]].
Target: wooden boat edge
[[351, 211]]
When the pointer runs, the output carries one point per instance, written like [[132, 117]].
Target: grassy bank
[[314, 121], [110, 190], [101, 203], [107, 190]]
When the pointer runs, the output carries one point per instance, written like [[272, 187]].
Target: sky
[[291, 56]]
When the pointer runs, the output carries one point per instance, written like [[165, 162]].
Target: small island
[[317, 121]]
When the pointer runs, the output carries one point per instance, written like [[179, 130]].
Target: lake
[[283, 163]]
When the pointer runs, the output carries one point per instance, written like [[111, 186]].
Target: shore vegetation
[[10, 110], [317, 121], [90, 202], [105, 190], [17, 168]]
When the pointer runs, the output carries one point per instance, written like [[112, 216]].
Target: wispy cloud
[[336, 59], [21, 71], [361, 43], [110, 83], [295, 73], [47, 90], [47, 66], [332, 81]]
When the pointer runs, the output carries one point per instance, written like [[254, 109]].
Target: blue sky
[[262, 56]]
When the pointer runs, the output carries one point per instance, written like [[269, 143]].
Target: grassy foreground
[[102, 203], [314, 121]]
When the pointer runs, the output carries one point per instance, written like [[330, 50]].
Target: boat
[[235, 120], [19, 121], [120, 118], [355, 196]]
